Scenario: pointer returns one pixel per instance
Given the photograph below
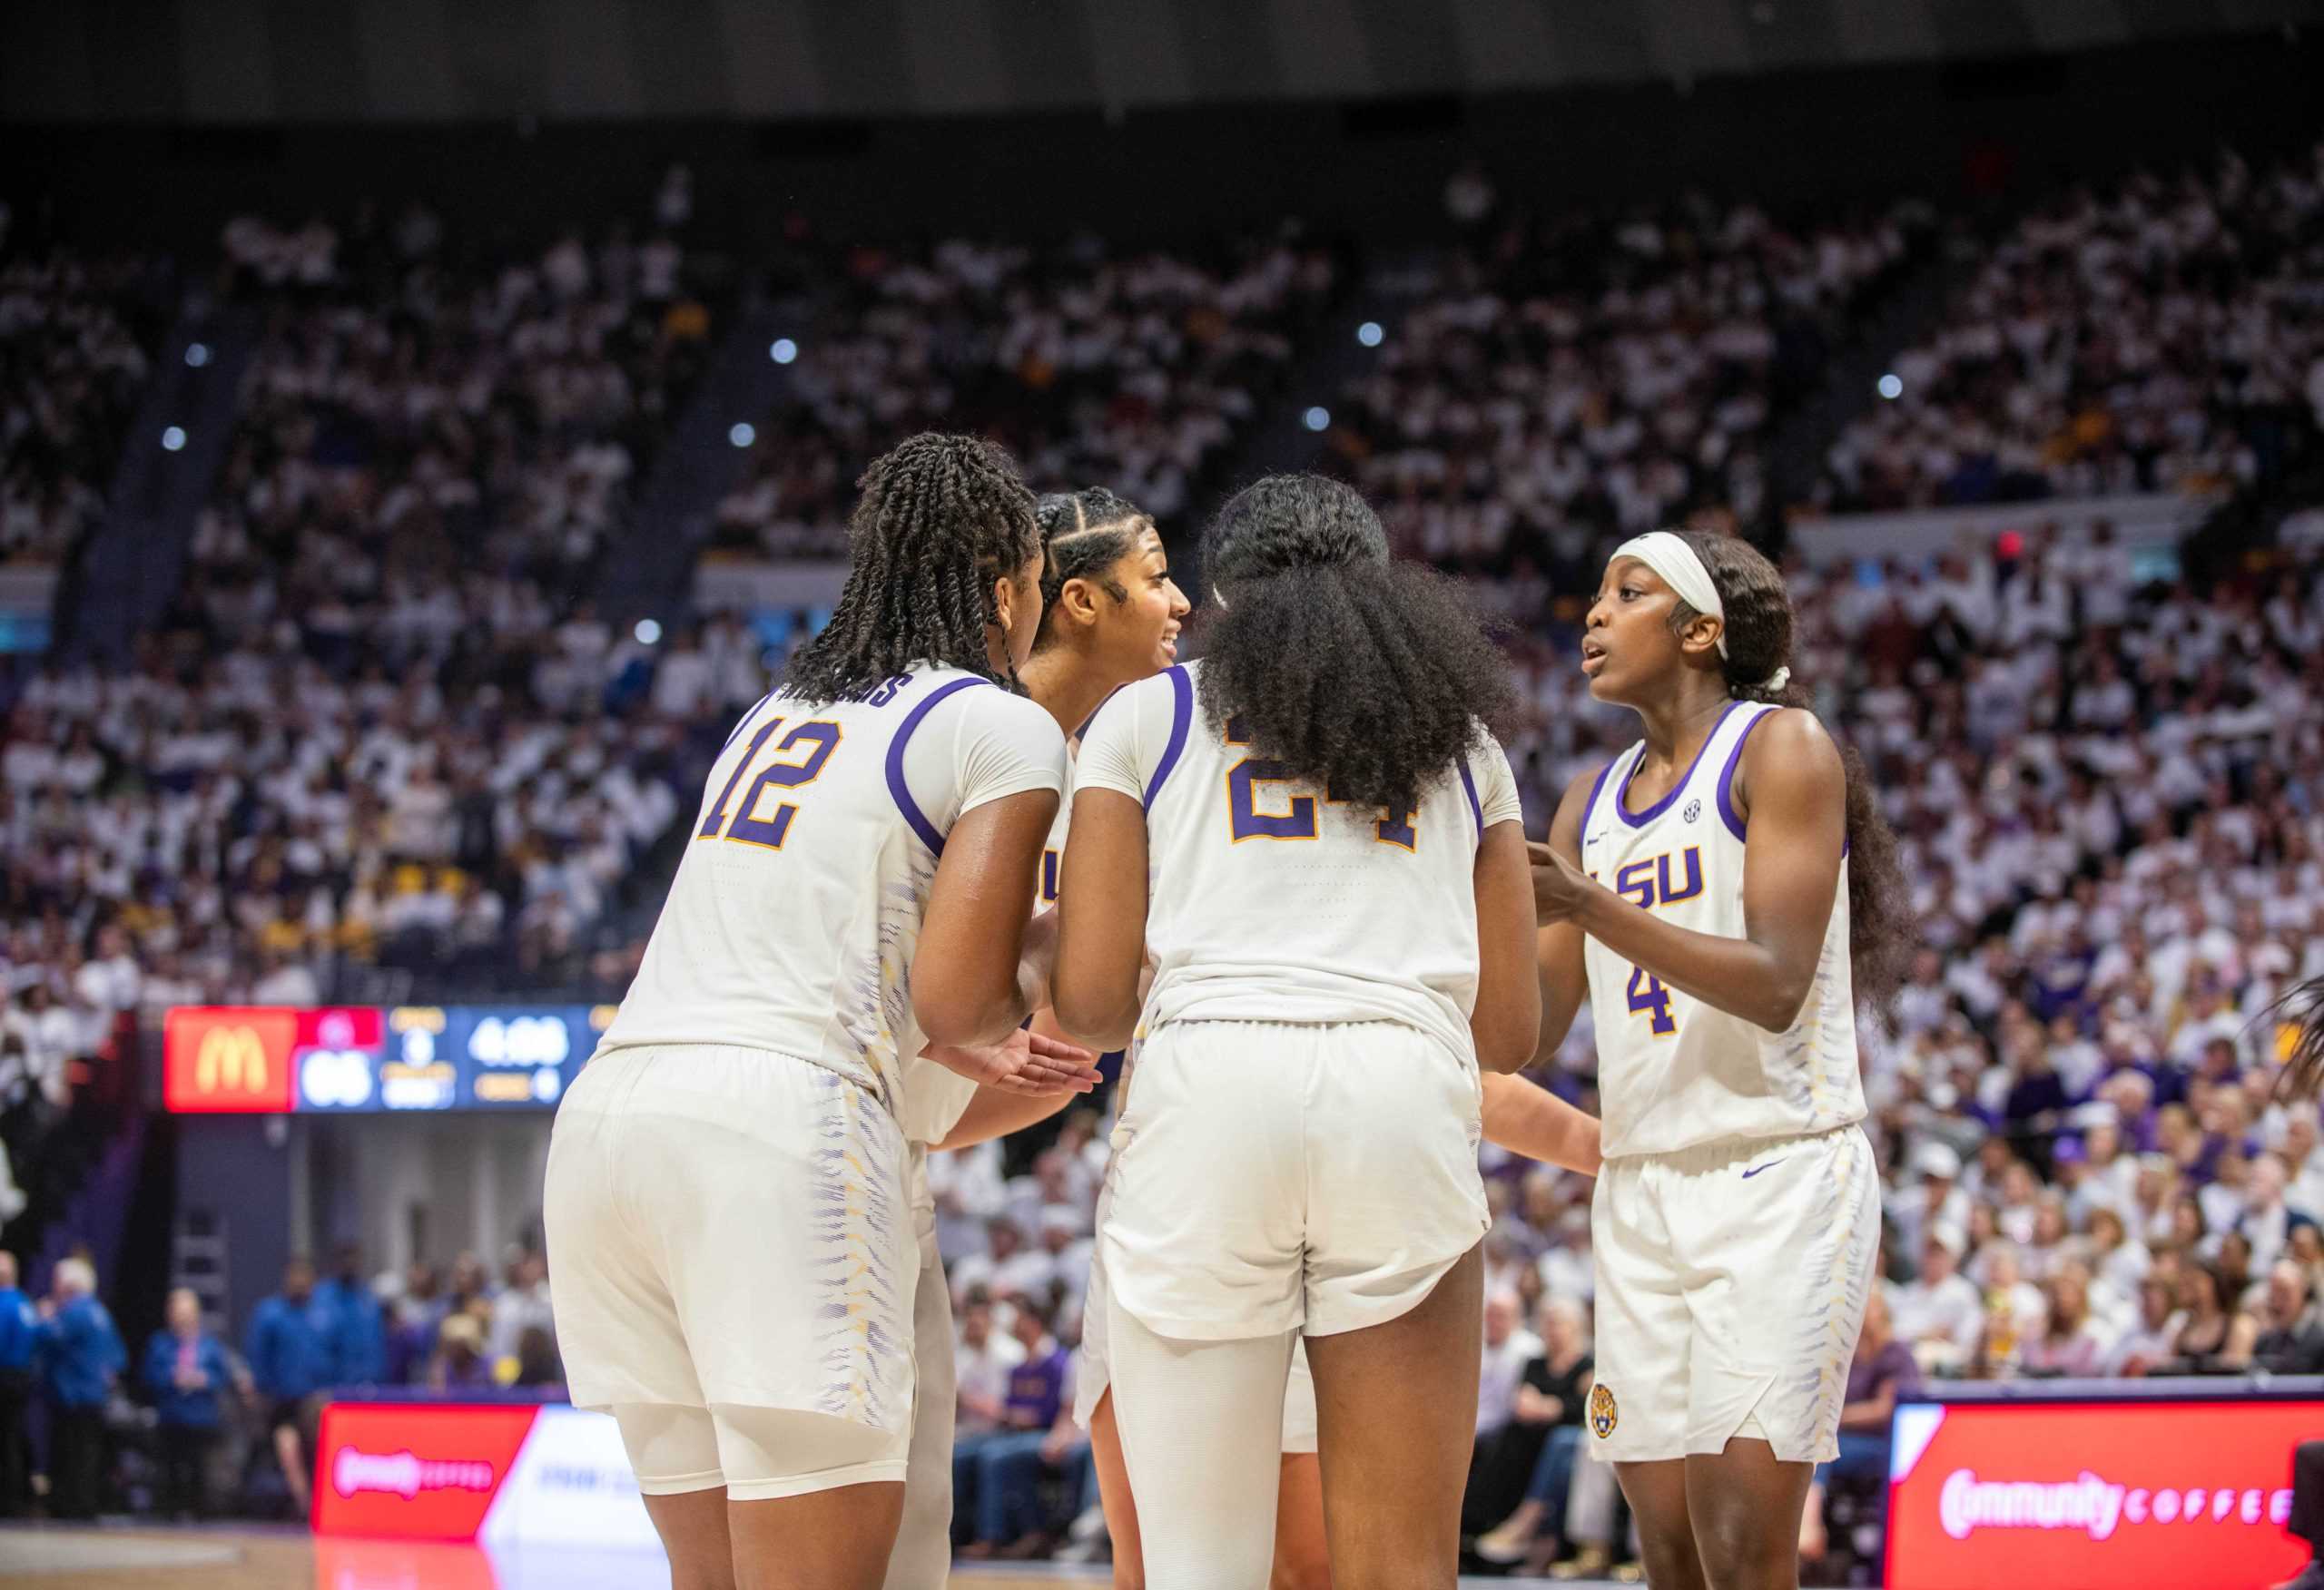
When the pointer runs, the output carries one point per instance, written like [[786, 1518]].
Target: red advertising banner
[[427, 1473], [2130, 1495]]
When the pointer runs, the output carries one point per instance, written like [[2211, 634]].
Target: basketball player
[[1318, 843], [1519, 1116], [726, 1204], [1110, 615], [1724, 891]]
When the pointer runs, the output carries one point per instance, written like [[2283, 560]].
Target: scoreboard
[[373, 1059]]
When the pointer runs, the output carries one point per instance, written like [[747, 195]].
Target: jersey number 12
[[816, 740]]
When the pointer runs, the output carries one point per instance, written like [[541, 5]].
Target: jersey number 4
[[808, 747], [1647, 993]]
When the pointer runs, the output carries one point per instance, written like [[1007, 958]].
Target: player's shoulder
[[1787, 737], [993, 710], [1143, 699]]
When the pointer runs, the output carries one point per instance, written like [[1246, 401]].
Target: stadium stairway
[[2241, 533], [96, 1214], [649, 575], [130, 571], [1907, 309], [1284, 438]]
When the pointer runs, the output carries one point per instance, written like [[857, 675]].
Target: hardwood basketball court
[[221, 1558]]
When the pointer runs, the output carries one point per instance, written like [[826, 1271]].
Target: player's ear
[[1079, 599], [1004, 604], [1701, 633]]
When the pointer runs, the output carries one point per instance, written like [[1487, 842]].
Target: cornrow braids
[[1758, 643], [939, 519], [1084, 533]]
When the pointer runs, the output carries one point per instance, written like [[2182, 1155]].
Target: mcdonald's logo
[[228, 1058], [231, 1057]]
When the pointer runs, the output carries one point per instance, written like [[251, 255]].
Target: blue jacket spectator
[[289, 1341], [80, 1353], [355, 1324], [186, 1371], [19, 1326]]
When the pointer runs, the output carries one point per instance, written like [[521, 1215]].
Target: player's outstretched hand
[[1023, 1062], [1557, 884]]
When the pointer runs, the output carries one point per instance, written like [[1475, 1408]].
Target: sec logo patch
[[1604, 1415]]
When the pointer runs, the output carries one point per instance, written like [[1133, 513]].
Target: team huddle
[[1291, 880]]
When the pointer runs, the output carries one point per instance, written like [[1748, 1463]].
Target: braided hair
[[1370, 677], [940, 520], [1084, 533], [1758, 645]]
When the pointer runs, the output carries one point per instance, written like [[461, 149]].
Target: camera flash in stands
[[742, 435], [173, 439], [783, 350], [1891, 386], [648, 631], [1318, 417], [1369, 334], [197, 354]]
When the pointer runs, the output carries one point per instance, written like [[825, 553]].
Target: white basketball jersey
[[796, 909], [1672, 1071], [1268, 901]]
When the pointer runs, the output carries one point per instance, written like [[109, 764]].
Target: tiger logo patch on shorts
[[1604, 1414]]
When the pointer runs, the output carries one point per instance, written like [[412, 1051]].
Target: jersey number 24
[[808, 747], [1297, 820]]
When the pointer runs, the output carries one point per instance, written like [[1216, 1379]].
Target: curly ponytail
[[1370, 677], [1759, 645]]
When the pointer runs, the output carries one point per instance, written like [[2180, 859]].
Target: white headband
[[1682, 568]]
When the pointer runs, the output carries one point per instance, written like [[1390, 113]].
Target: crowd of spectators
[[1129, 370], [2161, 333], [197, 1423], [1552, 382], [382, 722], [77, 336]]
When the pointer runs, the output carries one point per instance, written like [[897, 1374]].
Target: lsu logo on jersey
[[1604, 1414], [1655, 882]]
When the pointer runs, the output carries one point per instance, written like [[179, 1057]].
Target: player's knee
[[1671, 1559], [1753, 1545], [1301, 1567]]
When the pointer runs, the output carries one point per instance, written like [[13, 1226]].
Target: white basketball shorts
[[729, 1230], [1273, 1177], [1096, 1373], [1731, 1284]]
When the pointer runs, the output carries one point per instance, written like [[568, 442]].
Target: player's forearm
[[1037, 960], [997, 1112], [1565, 984], [1099, 1006], [1527, 1119], [1738, 975]]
